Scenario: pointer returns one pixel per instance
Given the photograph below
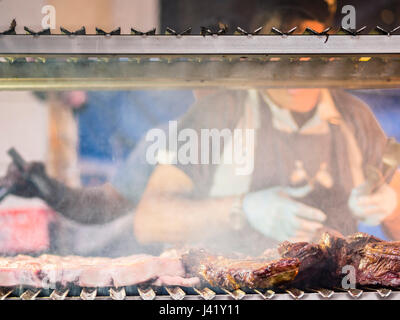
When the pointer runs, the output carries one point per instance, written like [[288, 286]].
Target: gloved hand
[[19, 184], [374, 208], [276, 215]]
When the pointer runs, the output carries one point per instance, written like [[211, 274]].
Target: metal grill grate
[[178, 293]]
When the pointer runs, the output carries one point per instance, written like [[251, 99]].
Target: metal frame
[[112, 62], [198, 45]]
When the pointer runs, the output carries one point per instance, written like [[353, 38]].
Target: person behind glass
[[312, 148]]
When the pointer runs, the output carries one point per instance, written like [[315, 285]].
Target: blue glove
[[275, 214]]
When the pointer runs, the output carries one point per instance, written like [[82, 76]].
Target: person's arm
[[391, 224], [93, 205], [168, 213], [371, 209]]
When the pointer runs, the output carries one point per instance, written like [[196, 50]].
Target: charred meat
[[321, 264], [313, 262], [232, 274], [380, 264]]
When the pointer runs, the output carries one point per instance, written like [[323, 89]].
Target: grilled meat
[[343, 251], [232, 274], [302, 265], [380, 264], [313, 262], [322, 264]]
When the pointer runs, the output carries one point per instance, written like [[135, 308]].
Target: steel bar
[[198, 45], [247, 72]]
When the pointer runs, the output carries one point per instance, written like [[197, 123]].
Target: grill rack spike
[[295, 293], [81, 31], [236, 294], [30, 294], [205, 31], [39, 33], [324, 293], [353, 292], [353, 32], [117, 293], [384, 293], [11, 29], [282, 33], [147, 293], [151, 32], [170, 31], [5, 292], [88, 293], [242, 31], [205, 293], [176, 293], [59, 294], [267, 295], [115, 32], [223, 29], [386, 32], [316, 33]]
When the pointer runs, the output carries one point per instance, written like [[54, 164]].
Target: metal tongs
[[34, 178], [375, 177]]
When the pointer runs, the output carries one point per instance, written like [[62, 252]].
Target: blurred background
[[83, 136]]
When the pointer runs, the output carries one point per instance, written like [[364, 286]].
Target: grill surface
[[177, 293]]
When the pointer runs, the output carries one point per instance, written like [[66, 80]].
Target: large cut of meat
[[49, 270], [232, 274], [380, 264], [321, 264]]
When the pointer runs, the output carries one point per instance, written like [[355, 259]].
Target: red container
[[24, 230]]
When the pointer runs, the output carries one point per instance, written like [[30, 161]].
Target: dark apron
[[273, 165]]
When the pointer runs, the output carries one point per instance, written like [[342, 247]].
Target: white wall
[[140, 14], [23, 123], [26, 12], [23, 118]]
